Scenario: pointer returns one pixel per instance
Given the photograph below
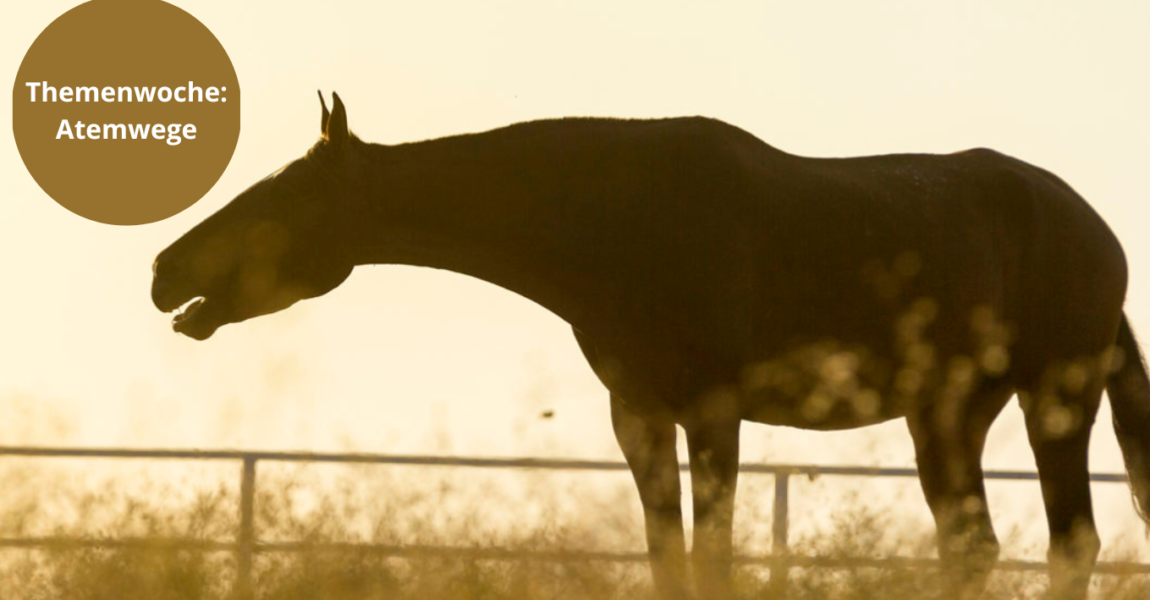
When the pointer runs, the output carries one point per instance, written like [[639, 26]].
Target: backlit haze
[[406, 360]]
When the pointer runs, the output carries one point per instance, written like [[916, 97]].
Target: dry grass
[[555, 517]]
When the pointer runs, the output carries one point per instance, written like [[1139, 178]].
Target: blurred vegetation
[[390, 508]]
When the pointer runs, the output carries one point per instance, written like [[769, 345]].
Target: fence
[[246, 545]]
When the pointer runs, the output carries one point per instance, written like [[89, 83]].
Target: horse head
[[280, 241]]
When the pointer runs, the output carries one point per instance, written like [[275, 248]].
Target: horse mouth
[[193, 319]]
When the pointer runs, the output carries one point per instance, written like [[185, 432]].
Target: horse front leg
[[713, 449], [649, 446]]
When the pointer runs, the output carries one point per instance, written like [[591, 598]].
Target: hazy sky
[[409, 360]]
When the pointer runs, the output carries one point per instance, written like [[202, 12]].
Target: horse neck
[[521, 208]]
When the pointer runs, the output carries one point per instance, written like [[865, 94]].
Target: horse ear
[[337, 132], [326, 115]]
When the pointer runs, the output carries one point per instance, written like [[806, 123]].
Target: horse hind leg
[[949, 435], [1059, 415], [649, 447]]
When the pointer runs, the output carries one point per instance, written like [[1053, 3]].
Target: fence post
[[779, 524], [246, 541]]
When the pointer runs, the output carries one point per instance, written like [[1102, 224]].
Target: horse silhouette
[[711, 278]]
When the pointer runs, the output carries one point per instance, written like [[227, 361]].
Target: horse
[[711, 279]]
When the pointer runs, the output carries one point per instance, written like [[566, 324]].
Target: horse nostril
[[160, 295], [163, 278], [163, 266]]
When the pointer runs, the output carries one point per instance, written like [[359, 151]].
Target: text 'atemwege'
[[172, 133]]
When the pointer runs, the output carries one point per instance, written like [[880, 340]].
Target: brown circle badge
[[126, 111]]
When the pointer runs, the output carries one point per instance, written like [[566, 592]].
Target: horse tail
[[1129, 391]]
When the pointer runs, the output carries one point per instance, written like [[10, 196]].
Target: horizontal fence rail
[[246, 545]]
